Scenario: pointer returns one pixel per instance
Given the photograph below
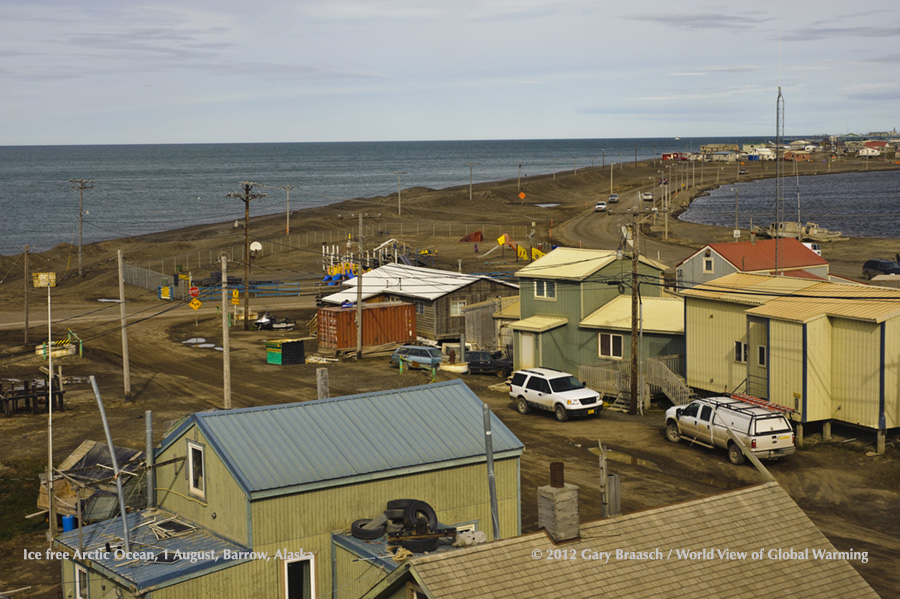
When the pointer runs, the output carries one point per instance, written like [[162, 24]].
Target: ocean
[[140, 189]]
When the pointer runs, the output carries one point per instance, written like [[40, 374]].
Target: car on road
[[873, 268], [647, 196], [416, 356], [600, 206], [553, 391], [485, 362], [613, 198]]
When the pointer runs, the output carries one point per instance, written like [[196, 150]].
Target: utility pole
[[359, 289], [399, 174], [634, 317], [226, 346], [247, 196], [287, 213], [470, 165], [126, 373], [26, 294], [80, 185]]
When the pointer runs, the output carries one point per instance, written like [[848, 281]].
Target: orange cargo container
[[384, 322]]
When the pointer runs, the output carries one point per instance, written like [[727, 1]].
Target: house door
[[526, 350], [298, 582]]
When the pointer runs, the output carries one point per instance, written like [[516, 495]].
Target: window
[[545, 289], [82, 590], [196, 470], [420, 307], [299, 578], [708, 265], [456, 307], [741, 351], [761, 355], [705, 413], [610, 345]]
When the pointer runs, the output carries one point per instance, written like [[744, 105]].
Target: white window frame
[[611, 355], [194, 490], [85, 591], [544, 289], [456, 307], [762, 356], [305, 557], [744, 349], [708, 265]]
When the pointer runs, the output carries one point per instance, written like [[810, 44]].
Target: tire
[[502, 373], [399, 504], [522, 406], [419, 510], [357, 530], [560, 412], [394, 515], [735, 455], [419, 545], [672, 433], [867, 275]]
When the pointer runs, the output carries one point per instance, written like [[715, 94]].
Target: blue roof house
[[248, 499]]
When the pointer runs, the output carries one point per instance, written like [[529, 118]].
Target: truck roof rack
[[757, 401]]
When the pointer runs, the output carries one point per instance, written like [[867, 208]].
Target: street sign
[[194, 291], [43, 279], [195, 304], [235, 297], [522, 195]]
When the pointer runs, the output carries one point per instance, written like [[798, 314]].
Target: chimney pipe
[[557, 475]]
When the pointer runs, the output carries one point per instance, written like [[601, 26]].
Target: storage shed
[[382, 322]]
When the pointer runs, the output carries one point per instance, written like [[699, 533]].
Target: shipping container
[[382, 322]]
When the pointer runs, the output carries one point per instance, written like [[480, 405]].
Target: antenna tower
[[779, 177]]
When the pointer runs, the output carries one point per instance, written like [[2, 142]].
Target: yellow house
[[829, 351]]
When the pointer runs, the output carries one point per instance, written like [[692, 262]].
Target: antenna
[[779, 177]]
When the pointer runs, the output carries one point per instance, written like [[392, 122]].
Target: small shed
[[285, 351], [382, 322]]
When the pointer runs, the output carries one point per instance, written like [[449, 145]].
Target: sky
[[219, 71]]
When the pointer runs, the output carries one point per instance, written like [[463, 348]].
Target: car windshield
[[565, 383], [434, 353]]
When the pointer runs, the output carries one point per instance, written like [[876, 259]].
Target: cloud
[[703, 21], [886, 90], [713, 69], [808, 34]]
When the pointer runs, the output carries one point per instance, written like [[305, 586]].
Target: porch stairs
[[615, 381]]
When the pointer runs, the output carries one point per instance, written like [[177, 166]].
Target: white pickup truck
[[765, 431]]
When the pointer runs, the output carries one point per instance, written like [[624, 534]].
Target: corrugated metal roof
[[279, 449], [538, 324], [740, 288], [760, 255], [574, 264], [856, 302], [407, 281], [660, 315], [143, 575]]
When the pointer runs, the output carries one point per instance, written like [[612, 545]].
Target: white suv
[[554, 391]]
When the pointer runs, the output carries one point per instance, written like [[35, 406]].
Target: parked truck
[[762, 427]]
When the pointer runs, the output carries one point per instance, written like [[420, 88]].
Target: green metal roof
[[273, 450]]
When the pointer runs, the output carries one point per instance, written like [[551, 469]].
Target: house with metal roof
[[438, 295], [763, 256], [825, 350], [575, 309], [248, 498], [752, 542]]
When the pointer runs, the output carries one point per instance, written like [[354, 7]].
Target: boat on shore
[[796, 230]]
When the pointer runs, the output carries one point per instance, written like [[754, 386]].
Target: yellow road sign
[[235, 294], [195, 304]]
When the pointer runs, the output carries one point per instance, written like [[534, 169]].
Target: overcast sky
[[155, 71]]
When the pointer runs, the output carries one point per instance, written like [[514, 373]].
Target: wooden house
[[826, 350], [438, 295], [564, 314], [248, 498]]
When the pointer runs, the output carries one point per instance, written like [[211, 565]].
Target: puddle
[[547, 205], [195, 341]]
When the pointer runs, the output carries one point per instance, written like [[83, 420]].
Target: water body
[[856, 204], [142, 189]]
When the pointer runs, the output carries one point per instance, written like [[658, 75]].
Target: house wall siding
[[856, 371], [819, 355], [711, 329], [224, 497], [892, 373], [356, 576], [785, 362], [691, 273]]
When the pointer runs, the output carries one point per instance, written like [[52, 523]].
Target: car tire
[[419, 545], [522, 406], [366, 534], [399, 504], [502, 373], [672, 433], [867, 275], [735, 455], [560, 412], [420, 510], [394, 515]]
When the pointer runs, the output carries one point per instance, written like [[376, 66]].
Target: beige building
[[829, 351]]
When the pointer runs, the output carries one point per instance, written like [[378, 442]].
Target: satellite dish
[[256, 246]]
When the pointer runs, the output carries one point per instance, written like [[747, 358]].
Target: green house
[[248, 499]]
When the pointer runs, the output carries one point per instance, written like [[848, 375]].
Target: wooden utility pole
[[226, 346], [27, 281], [399, 174], [287, 213], [247, 196], [634, 318], [126, 374], [80, 185], [470, 165], [359, 290]]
